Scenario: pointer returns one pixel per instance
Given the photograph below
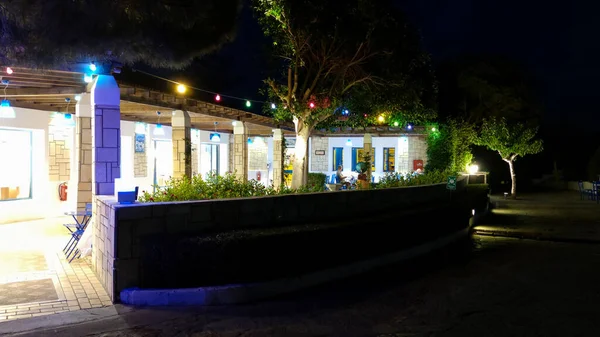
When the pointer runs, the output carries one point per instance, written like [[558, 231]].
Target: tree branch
[[289, 95]]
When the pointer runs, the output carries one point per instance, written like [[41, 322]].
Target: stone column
[[368, 148], [277, 158], [106, 167], [240, 151], [80, 189], [182, 144], [106, 135]]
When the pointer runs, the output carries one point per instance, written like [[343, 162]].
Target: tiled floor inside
[[35, 277]]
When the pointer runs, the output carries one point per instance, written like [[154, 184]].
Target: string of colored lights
[[182, 88]]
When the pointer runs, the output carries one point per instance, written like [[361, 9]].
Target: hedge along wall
[[122, 229]]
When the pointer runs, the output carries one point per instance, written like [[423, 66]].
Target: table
[[85, 219]]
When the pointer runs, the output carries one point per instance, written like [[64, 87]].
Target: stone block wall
[[257, 157], [195, 149], [139, 222], [417, 149], [103, 240], [59, 156], [230, 154], [83, 139], [106, 136], [140, 162], [319, 162], [182, 165]]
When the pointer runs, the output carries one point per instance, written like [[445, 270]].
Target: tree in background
[[337, 57], [56, 34], [476, 87], [510, 141], [449, 147]]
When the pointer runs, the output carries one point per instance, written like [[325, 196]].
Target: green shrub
[[390, 180], [449, 148], [218, 187], [316, 181]]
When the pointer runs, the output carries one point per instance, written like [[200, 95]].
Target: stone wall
[[59, 154], [140, 162], [417, 149], [83, 139], [257, 157], [135, 223], [195, 149], [103, 241], [319, 163]]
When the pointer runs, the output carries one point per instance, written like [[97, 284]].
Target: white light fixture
[[473, 211], [233, 123], [87, 78], [140, 128], [78, 98], [215, 137], [472, 169], [158, 130], [7, 111], [349, 142]]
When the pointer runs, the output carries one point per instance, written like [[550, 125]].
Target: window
[[389, 159], [15, 164], [338, 157], [358, 155]]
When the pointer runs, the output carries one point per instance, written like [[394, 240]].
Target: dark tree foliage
[[160, 33], [474, 87]]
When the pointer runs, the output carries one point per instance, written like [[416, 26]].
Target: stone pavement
[[502, 287], [35, 278], [548, 215]]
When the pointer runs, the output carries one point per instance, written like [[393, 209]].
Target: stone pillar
[[106, 167], [231, 145], [277, 158], [106, 135], [182, 144], [240, 151], [368, 148], [81, 187]]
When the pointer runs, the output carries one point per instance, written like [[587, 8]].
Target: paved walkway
[[551, 215], [35, 278]]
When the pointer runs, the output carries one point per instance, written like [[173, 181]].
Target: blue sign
[[140, 143]]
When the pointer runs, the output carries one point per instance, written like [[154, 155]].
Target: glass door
[[209, 159], [163, 162]]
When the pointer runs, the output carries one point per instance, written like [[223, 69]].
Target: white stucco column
[[240, 151], [182, 144], [277, 158]]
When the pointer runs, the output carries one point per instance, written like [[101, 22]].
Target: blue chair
[[582, 191], [595, 191]]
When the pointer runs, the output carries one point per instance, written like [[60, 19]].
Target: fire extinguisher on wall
[[258, 176], [62, 191]]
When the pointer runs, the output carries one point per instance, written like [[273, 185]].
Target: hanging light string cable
[[198, 89]]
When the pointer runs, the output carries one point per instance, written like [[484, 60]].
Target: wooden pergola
[[56, 91]]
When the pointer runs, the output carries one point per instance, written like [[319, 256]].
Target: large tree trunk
[[300, 163], [513, 179]]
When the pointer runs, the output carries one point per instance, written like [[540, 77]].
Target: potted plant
[[363, 169]]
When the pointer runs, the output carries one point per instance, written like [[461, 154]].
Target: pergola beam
[[54, 91]]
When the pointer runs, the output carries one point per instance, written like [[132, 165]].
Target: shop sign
[[451, 183]]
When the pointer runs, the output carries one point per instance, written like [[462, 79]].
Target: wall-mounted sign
[[319, 152], [140, 143]]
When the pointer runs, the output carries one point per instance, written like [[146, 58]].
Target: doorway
[[209, 159], [163, 162]]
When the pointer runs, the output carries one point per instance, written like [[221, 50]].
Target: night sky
[[557, 43]]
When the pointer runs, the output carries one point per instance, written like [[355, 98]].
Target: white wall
[[44, 196], [400, 144]]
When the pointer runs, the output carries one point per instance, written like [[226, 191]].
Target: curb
[[242, 293], [533, 236]]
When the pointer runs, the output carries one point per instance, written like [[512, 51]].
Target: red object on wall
[[258, 175], [62, 191], [418, 164]]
